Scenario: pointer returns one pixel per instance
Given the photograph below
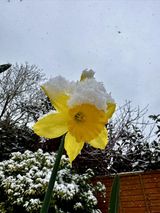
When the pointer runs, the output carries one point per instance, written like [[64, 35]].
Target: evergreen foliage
[[24, 179]]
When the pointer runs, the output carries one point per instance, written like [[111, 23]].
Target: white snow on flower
[[92, 92], [86, 91], [58, 85]]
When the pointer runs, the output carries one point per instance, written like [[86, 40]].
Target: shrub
[[24, 179], [16, 138]]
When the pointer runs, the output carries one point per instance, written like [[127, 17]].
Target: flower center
[[79, 117], [85, 122]]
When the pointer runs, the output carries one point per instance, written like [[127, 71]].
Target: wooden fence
[[139, 192]]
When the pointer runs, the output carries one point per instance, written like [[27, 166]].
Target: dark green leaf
[[114, 199]]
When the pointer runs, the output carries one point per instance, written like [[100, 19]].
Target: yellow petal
[[101, 141], [52, 125], [72, 147], [58, 102], [110, 109]]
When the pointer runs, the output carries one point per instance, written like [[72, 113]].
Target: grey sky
[[119, 40]]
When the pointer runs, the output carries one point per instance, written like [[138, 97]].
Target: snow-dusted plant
[[24, 179]]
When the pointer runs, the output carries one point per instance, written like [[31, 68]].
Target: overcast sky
[[119, 40]]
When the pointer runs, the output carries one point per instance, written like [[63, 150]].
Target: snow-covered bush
[[24, 178]]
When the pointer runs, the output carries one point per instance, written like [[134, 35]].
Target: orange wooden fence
[[139, 192]]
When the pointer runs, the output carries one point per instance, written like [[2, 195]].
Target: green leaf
[[114, 199]]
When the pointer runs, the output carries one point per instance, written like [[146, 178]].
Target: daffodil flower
[[82, 110]]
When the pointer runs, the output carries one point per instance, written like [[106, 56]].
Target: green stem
[[49, 191]]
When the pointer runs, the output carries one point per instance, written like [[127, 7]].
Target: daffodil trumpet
[[82, 109]]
